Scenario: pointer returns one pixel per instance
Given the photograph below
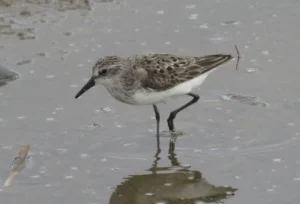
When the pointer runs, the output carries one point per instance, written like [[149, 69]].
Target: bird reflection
[[174, 184]]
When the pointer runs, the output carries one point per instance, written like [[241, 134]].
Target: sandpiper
[[151, 78]]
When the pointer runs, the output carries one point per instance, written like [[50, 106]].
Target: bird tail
[[209, 62]]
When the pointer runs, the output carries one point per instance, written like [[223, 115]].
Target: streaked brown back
[[165, 71]]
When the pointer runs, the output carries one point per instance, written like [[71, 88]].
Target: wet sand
[[241, 140]]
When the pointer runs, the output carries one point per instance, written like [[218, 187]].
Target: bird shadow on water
[[174, 184]]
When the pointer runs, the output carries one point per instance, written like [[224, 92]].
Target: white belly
[[146, 98]]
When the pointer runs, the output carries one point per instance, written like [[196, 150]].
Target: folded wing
[[165, 71]]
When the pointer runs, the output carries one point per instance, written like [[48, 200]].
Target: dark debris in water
[[250, 100], [12, 26], [5, 3], [224, 23], [7, 75], [58, 4], [42, 54], [68, 33], [27, 61], [25, 13], [25, 36], [16, 16], [22, 34]]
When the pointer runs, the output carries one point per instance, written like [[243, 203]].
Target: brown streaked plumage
[[165, 71]]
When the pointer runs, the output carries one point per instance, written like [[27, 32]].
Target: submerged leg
[[174, 113], [157, 116]]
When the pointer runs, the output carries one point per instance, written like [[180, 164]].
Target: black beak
[[86, 87]]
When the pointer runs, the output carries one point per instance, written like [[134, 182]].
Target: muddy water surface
[[241, 141]]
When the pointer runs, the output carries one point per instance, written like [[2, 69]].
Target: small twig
[[18, 164], [238, 57]]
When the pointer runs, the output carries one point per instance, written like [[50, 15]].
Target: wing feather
[[165, 71]]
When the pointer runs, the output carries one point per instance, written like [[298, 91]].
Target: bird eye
[[103, 71]]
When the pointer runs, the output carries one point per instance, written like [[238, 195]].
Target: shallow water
[[96, 150]]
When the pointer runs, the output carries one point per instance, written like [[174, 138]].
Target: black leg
[[172, 154], [157, 116], [174, 113]]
